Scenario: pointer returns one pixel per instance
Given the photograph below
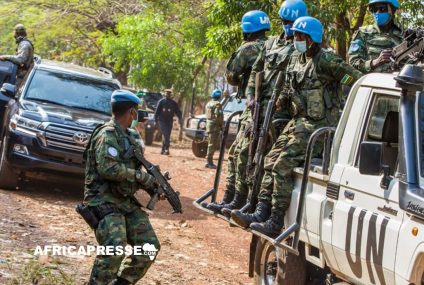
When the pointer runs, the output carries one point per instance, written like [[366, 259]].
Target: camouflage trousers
[[117, 229], [237, 156], [213, 144], [286, 153]]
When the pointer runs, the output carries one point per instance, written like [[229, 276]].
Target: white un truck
[[357, 213]]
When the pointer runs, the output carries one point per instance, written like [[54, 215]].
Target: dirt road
[[196, 248]]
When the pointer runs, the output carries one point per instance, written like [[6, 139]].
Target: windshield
[[72, 91], [234, 105]]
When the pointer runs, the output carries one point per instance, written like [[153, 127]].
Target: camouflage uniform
[[314, 102], [238, 71], [111, 181], [215, 120], [367, 44], [24, 57], [274, 57]]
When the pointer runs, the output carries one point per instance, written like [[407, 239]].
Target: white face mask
[[300, 46]]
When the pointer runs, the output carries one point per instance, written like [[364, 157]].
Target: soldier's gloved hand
[[382, 59], [147, 180]]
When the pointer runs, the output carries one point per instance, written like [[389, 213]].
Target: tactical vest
[[375, 42], [210, 110], [314, 95]]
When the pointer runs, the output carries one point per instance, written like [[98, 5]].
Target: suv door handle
[[349, 195]]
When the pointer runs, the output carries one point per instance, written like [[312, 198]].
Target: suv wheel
[[148, 138], [199, 148], [8, 179]]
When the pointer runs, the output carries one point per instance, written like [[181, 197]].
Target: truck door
[[367, 218]]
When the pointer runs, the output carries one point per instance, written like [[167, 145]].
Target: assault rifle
[[164, 187], [255, 120], [411, 49], [263, 136]]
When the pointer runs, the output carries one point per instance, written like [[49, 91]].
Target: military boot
[[210, 164], [238, 202], [261, 214], [228, 197], [272, 227], [120, 281]]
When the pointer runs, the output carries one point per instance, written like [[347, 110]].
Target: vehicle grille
[[62, 137]]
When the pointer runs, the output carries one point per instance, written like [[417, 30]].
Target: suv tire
[[270, 269], [8, 179], [199, 148]]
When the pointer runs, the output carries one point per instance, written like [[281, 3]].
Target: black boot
[[272, 227], [120, 281], [261, 214], [228, 197], [210, 164], [238, 202]]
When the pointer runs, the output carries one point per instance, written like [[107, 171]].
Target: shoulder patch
[[112, 151], [355, 45]]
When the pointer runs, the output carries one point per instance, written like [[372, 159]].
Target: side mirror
[[8, 90], [142, 115], [371, 162]]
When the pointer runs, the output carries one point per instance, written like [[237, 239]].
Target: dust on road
[[196, 248]]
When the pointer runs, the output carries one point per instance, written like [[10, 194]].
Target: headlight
[[25, 125], [202, 125], [151, 116]]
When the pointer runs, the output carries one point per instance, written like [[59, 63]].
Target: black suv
[[47, 123]]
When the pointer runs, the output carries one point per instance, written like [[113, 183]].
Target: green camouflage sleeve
[[333, 65], [22, 55], [109, 164], [358, 55], [219, 115], [240, 63], [258, 66]]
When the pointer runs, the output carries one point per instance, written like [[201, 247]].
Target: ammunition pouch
[[92, 215]]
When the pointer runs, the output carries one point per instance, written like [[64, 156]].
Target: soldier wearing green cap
[[24, 53], [111, 181]]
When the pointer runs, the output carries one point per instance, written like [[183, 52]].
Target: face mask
[[381, 19], [287, 30], [134, 122], [300, 46]]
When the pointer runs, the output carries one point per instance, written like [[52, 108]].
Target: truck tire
[[199, 148], [269, 269], [8, 179], [148, 138]]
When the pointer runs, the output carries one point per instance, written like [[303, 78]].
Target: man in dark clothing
[[24, 53], [164, 114]]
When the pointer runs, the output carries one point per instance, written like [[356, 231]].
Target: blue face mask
[[382, 19], [287, 30], [300, 46]]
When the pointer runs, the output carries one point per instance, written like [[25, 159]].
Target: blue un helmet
[[217, 93], [394, 3], [122, 95], [291, 10], [255, 21], [309, 26], [382, 16]]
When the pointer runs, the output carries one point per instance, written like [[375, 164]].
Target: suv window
[[383, 126], [234, 105], [70, 90]]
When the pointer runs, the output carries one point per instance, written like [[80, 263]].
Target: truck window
[[234, 105], [382, 126]]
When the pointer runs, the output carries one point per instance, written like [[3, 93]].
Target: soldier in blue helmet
[[111, 181], [254, 26], [314, 78], [273, 58], [371, 46], [214, 124]]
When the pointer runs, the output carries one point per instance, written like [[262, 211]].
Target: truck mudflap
[[289, 238]]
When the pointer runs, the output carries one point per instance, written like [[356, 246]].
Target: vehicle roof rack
[[106, 71]]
